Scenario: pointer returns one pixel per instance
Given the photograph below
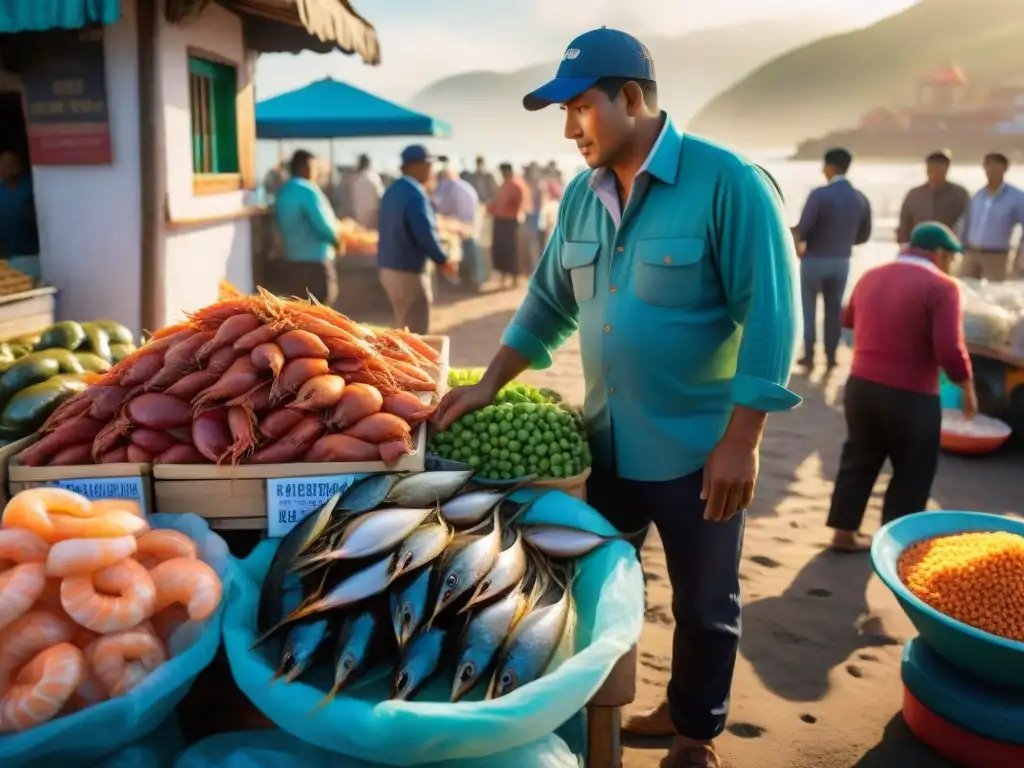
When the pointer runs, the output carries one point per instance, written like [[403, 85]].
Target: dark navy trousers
[[703, 562]]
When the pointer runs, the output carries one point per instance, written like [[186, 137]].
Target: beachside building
[[137, 121]]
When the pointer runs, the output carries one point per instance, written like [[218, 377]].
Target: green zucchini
[[77, 382], [65, 359], [119, 352], [26, 373], [66, 334], [26, 339], [97, 340], [117, 333], [31, 407], [20, 350], [92, 362]]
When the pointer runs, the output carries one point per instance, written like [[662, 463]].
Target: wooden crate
[[12, 281], [27, 312], [236, 497]]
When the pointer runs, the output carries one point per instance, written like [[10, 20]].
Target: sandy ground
[[817, 683]]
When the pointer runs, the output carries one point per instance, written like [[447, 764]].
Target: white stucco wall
[[88, 215], [198, 257]]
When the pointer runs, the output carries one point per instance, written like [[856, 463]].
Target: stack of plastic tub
[[963, 688]]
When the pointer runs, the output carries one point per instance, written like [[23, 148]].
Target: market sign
[[291, 499], [96, 488], [66, 112]]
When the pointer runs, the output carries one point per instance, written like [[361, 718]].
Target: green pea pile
[[525, 432]]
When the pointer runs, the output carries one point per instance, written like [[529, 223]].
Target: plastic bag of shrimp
[[102, 632], [470, 621], [273, 747]]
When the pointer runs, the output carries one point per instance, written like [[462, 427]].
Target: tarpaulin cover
[[83, 738], [42, 15], [609, 593]]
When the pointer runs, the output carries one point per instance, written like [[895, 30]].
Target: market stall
[[392, 571]]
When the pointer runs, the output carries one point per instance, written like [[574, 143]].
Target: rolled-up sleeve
[[758, 267], [549, 314]]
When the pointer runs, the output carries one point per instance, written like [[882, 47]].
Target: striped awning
[[42, 15], [273, 26]]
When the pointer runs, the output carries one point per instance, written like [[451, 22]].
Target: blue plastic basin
[[986, 656]]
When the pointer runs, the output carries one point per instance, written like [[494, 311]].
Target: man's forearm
[[746, 426], [505, 366]]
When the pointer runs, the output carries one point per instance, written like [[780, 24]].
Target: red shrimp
[[392, 450], [239, 379], [294, 344], [268, 357], [78, 430], [108, 402], [347, 365], [222, 359], [221, 311], [319, 393], [75, 406], [169, 330], [211, 434], [410, 370], [305, 314], [142, 371], [139, 455], [256, 400], [341, 348], [409, 407], [161, 341], [159, 411], [293, 445], [108, 439], [417, 343], [251, 340], [181, 434], [117, 455], [155, 441], [179, 361], [180, 454], [230, 331], [277, 423], [296, 373], [242, 424], [357, 402], [189, 386], [71, 456], [379, 428], [342, 448]]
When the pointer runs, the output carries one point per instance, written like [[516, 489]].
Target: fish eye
[[468, 672], [452, 580], [401, 681], [406, 615], [507, 679], [347, 663], [485, 585]]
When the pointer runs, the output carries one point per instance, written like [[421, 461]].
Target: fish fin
[[525, 507]]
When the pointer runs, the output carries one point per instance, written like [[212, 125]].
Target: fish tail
[[525, 507], [635, 536], [326, 699]]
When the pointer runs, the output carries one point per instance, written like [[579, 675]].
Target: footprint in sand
[[818, 592], [648, 576], [657, 663], [657, 615], [794, 524], [746, 730], [854, 671], [767, 562], [809, 719], [782, 540], [867, 657]]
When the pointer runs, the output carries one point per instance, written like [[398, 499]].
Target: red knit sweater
[[907, 325]]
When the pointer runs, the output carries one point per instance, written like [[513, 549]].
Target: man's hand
[[450, 269], [460, 401], [970, 401], [730, 474]]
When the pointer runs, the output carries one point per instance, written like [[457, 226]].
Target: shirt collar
[[837, 178], [415, 183], [918, 259], [662, 161]]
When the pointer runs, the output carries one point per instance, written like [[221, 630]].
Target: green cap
[[932, 235]]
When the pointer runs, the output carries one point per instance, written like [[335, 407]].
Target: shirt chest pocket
[[669, 272], [579, 259]]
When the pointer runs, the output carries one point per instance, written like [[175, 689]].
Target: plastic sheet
[[609, 593], [85, 737]]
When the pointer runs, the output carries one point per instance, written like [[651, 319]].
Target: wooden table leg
[[604, 747]]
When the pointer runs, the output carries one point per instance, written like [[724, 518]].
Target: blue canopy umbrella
[[329, 109]]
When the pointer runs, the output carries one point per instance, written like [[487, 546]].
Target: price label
[[291, 499], [105, 488]]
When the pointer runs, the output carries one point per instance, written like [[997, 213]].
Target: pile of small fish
[[419, 572]]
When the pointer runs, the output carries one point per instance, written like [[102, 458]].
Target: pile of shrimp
[[89, 599], [251, 379]]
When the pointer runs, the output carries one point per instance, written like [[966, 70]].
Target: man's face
[[480, 164], [937, 170], [994, 172], [600, 126], [506, 174], [422, 171], [945, 260]]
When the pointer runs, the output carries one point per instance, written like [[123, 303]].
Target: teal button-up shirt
[[307, 222], [685, 307]]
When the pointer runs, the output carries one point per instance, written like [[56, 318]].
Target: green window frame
[[212, 102]]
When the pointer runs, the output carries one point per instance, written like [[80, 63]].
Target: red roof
[[950, 74]]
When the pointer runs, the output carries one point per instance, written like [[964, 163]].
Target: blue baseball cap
[[590, 57], [416, 153]]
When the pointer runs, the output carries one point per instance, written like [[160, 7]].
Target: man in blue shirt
[[993, 214], [836, 217], [18, 235], [310, 233], [455, 197], [408, 241], [672, 260]]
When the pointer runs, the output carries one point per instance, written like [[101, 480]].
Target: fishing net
[[364, 724], [107, 729]]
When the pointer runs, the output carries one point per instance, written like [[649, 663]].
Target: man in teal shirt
[[310, 233], [672, 259]]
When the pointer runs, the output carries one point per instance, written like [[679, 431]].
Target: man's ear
[[634, 98]]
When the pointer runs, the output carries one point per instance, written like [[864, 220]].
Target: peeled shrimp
[[192, 583], [29, 635], [78, 557], [42, 688], [106, 506], [20, 587], [166, 622], [122, 660], [114, 599], [57, 516], [163, 544], [19, 546]]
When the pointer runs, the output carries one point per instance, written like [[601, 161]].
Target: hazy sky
[[424, 40]]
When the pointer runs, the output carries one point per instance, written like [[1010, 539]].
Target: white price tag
[[94, 488], [290, 499]]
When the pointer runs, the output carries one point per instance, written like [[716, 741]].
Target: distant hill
[[485, 108], [831, 83]]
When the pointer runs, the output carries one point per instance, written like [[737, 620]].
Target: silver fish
[[482, 639], [563, 542], [423, 546], [368, 582], [472, 507], [420, 662], [301, 644], [371, 534], [508, 570], [359, 643], [409, 605], [367, 493], [468, 566], [426, 489], [532, 647]]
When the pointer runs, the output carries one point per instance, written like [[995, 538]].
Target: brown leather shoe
[[690, 756], [654, 723]]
